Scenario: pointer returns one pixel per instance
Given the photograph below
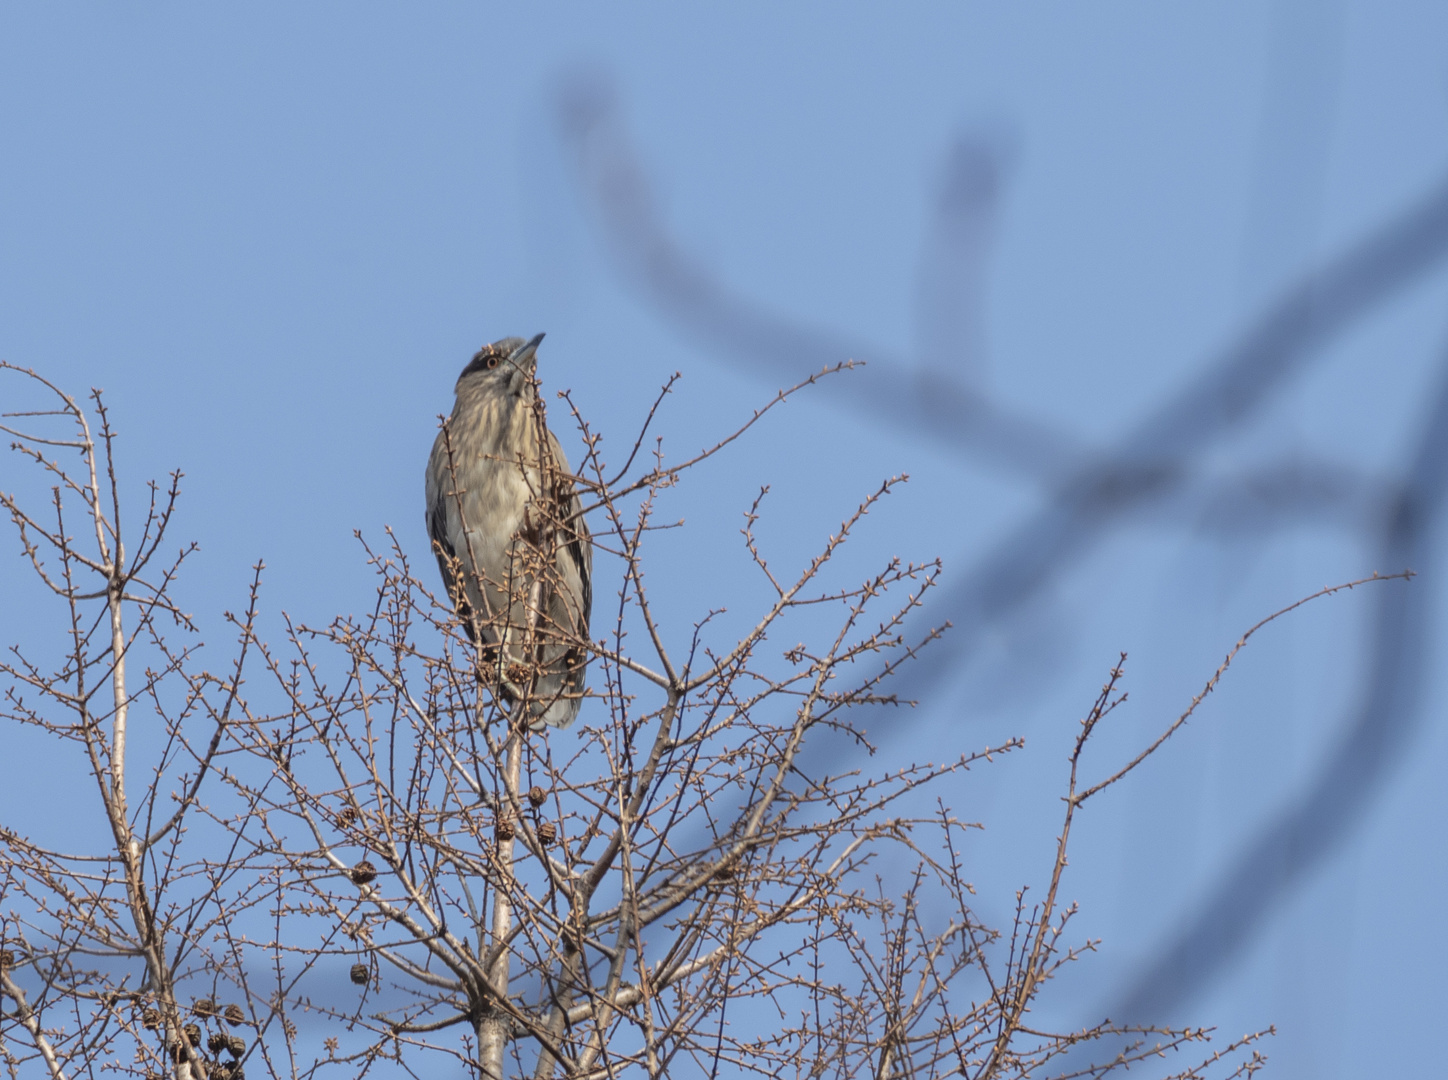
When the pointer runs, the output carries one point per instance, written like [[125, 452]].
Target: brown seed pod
[[234, 1014], [7, 959], [151, 1019], [518, 673], [348, 815], [547, 833], [363, 872], [217, 1042], [204, 1007], [237, 1045], [359, 974], [193, 1034], [503, 828], [537, 796], [725, 872]]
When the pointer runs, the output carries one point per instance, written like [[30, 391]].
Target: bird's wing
[[575, 555], [437, 471]]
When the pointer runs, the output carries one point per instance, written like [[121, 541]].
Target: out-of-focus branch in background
[[1157, 470]]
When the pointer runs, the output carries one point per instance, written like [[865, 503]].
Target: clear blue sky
[[275, 232]]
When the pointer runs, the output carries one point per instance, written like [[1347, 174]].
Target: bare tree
[[673, 888]]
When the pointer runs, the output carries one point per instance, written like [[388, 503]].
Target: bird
[[507, 528]]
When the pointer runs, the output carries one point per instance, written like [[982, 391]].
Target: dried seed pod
[[518, 673], [204, 1008], [547, 833], [217, 1042], [363, 872], [151, 1019], [725, 872], [237, 1045], [503, 828], [193, 1034], [348, 815], [7, 959], [235, 1014], [537, 796], [220, 1071], [359, 974]]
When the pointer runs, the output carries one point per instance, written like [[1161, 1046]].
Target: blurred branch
[[1156, 468], [1339, 798], [925, 401]]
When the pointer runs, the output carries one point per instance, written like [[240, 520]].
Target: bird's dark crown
[[491, 357]]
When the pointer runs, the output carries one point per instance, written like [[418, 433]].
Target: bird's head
[[504, 367]]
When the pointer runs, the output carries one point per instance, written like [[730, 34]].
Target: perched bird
[[508, 531]]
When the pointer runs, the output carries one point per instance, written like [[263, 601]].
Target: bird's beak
[[526, 356]]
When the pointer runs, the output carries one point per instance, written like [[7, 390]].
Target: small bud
[[360, 974], [363, 872]]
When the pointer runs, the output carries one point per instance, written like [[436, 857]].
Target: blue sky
[[275, 233]]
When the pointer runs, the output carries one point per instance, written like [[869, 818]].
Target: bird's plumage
[[508, 531]]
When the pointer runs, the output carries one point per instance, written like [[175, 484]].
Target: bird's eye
[[492, 361]]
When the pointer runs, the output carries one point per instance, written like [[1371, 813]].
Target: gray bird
[[509, 535]]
